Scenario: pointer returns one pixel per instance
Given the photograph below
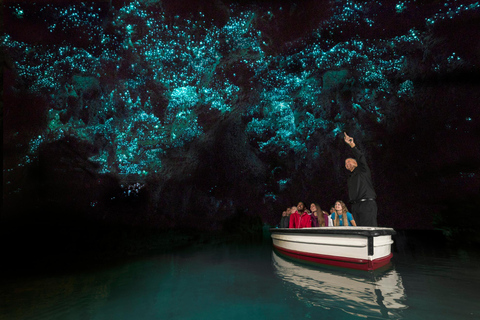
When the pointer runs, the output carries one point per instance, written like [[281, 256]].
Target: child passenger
[[341, 213]]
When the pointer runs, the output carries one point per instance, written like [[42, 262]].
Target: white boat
[[364, 248], [371, 295]]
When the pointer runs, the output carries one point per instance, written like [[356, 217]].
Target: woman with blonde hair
[[341, 213]]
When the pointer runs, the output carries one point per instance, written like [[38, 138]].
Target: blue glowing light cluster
[[139, 78]]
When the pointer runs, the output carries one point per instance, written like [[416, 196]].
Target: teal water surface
[[251, 281]]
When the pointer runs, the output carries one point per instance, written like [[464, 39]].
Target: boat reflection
[[367, 294]]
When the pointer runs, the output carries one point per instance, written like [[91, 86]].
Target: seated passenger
[[330, 215], [330, 221], [332, 209], [285, 221], [340, 213], [319, 217], [284, 213], [300, 218]]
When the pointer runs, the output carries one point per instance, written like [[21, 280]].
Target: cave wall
[[189, 114]]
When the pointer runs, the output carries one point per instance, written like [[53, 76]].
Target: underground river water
[[249, 280]]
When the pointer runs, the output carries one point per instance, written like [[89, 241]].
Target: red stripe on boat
[[352, 263]]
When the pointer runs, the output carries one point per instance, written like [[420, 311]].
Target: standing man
[[360, 188]]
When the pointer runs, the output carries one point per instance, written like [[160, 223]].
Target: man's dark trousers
[[365, 213]]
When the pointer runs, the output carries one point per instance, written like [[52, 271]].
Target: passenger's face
[[313, 208], [338, 206], [289, 210], [294, 209], [300, 206]]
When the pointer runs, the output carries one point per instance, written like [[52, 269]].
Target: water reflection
[[366, 294]]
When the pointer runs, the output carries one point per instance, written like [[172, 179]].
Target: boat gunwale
[[358, 231]]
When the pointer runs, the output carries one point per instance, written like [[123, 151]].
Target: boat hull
[[363, 248]]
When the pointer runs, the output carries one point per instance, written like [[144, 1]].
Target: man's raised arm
[[359, 156], [349, 140]]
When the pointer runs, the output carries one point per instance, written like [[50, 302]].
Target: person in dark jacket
[[360, 188], [285, 221]]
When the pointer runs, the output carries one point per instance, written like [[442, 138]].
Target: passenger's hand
[[348, 140]]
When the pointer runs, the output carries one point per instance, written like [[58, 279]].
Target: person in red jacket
[[300, 218]]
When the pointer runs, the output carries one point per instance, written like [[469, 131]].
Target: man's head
[[301, 207], [351, 164]]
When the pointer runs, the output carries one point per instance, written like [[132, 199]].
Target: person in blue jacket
[[340, 213]]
